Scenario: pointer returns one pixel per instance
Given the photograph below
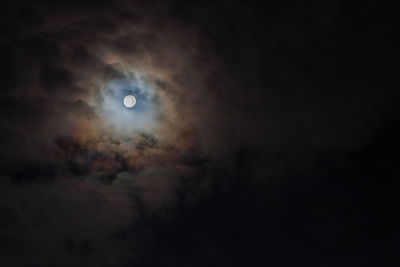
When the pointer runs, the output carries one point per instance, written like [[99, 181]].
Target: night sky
[[264, 133]]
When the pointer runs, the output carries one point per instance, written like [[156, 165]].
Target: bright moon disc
[[129, 101]]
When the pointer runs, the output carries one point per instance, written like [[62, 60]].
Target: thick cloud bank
[[258, 137]]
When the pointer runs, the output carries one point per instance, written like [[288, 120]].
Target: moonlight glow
[[129, 101]]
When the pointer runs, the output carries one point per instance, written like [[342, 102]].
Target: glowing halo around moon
[[129, 101]]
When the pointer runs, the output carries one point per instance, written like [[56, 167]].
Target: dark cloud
[[266, 133], [64, 222]]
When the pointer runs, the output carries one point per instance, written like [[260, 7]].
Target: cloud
[[64, 222], [233, 100]]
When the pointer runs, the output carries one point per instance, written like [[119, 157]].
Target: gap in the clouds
[[143, 117]]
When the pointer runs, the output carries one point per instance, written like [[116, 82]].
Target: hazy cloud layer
[[235, 102]]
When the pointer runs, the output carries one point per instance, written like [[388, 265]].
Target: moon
[[129, 101]]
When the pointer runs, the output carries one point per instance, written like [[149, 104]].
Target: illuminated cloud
[[147, 114]]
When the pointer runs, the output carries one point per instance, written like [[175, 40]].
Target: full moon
[[129, 101]]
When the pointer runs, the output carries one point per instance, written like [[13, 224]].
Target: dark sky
[[265, 133]]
